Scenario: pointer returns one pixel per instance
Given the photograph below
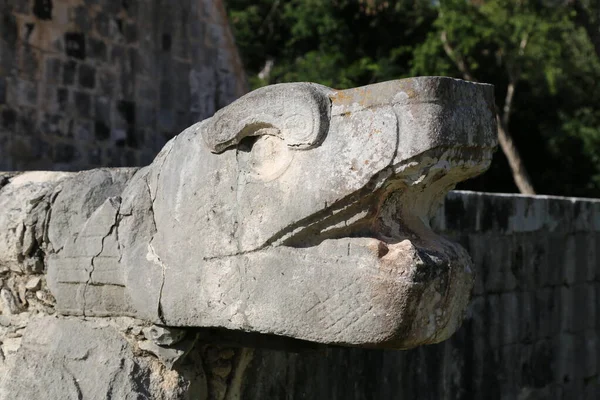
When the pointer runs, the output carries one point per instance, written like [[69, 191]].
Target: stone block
[[48, 101], [126, 84], [53, 70], [30, 63], [96, 49], [166, 95], [81, 17], [587, 258], [596, 286], [540, 264], [497, 268], [527, 317], [131, 7], [52, 124], [561, 215], [118, 54], [87, 76], [336, 274], [95, 156], [8, 119], [130, 32], [511, 319], [102, 24], [567, 322], [182, 96], [113, 6], [584, 307], [145, 116], [509, 371], [566, 362], [570, 268], [595, 222], [476, 314], [590, 352], [456, 216], [83, 104], [62, 99], [166, 120], [27, 122], [69, 72], [477, 251], [494, 320], [106, 82], [65, 153], [559, 271], [42, 9], [496, 212], [83, 131], [27, 92], [102, 109], [547, 306], [75, 45], [537, 372]]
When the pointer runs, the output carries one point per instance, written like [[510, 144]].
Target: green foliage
[[555, 119], [340, 43]]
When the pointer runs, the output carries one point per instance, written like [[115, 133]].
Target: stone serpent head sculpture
[[298, 210]]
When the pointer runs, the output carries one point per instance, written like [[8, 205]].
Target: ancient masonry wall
[[531, 332], [88, 83]]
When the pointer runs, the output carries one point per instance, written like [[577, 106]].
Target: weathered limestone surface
[[297, 211], [59, 354]]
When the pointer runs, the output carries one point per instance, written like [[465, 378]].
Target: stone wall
[[531, 331], [87, 83]]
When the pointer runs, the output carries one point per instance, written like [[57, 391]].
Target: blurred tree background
[[542, 56]]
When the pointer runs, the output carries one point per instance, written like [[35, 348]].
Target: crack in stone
[[152, 252], [154, 257], [46, 224], [93, 267]]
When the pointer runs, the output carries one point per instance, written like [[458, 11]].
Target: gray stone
[[8, 302], [73, 359], [33, 283], [473, 363], [169, 355], [163, 336], [298, 211], [24, 205]]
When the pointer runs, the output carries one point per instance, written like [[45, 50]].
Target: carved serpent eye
[[297, 113], [263, 158]]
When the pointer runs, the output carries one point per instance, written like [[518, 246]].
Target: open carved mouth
[[396, 205]]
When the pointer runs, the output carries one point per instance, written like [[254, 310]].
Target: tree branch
[[519, 173], [513, 79], [515, 162], [457, 58]]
